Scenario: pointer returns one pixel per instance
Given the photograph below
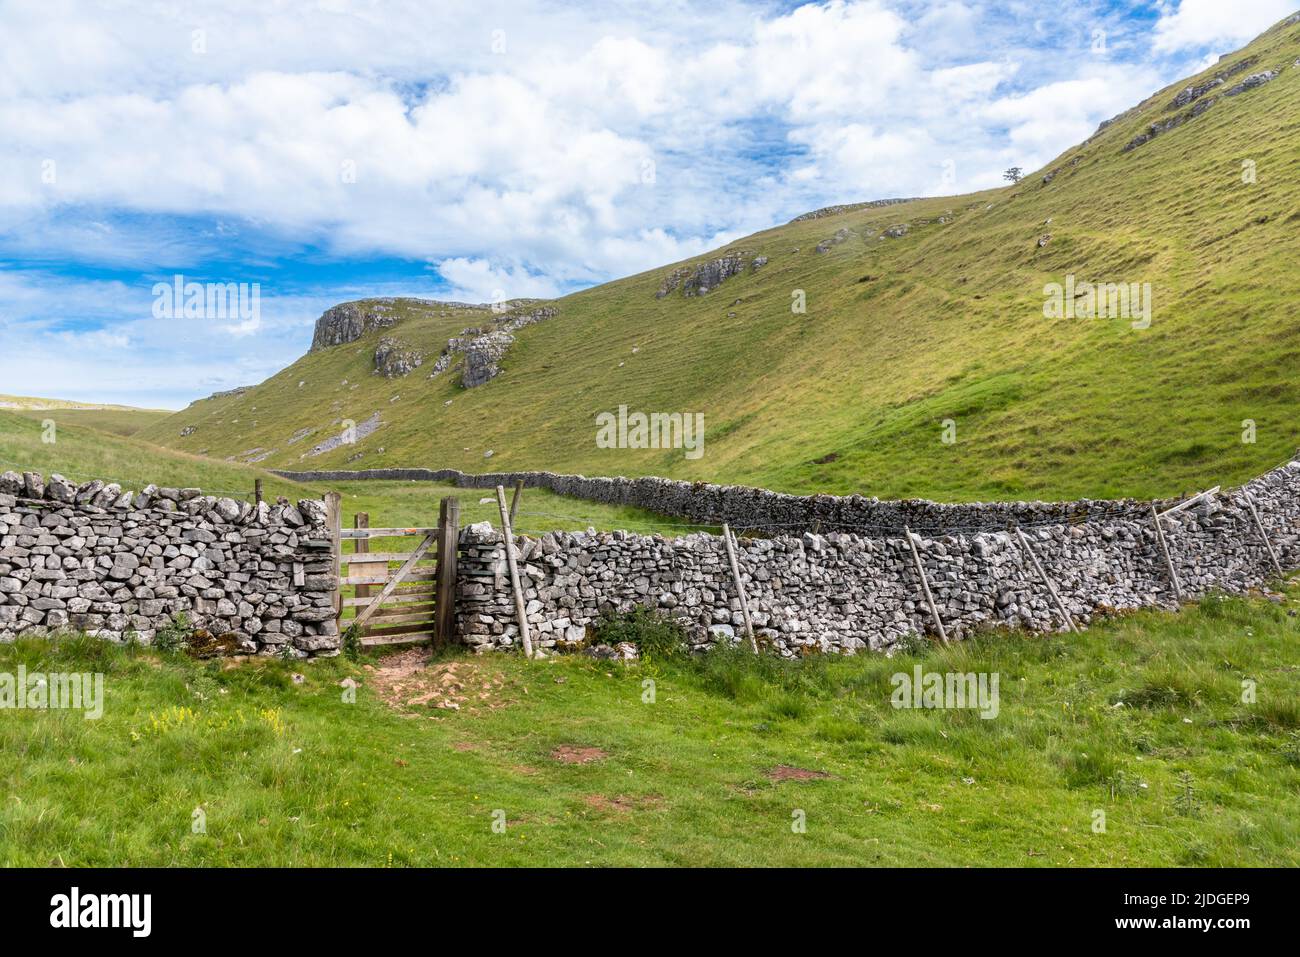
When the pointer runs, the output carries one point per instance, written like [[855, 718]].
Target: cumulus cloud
[[1191, 24], [514, 147], [98, 339], [563, 152], [479, 281], [1046, 121]]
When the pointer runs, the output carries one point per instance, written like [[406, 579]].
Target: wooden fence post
[[515, 587], [362, 546], [448, 544], [740, 586], [514, 501], [1051, 588], [1169, 562], [1272, 555], [334, 517], [257, 491], [925, 585]]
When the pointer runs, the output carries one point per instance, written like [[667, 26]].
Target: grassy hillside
[[900, 334], [1140, 719], [118, 419], [81, 453]]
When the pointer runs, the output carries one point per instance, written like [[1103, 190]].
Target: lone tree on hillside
[[1013, 175]]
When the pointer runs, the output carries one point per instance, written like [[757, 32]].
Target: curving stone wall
[[112, 563], [745, 507], [96, 558], [844, 592]]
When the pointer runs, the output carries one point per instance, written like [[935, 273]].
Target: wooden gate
[[397, 585]]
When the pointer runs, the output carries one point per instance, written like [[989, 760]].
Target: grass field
[[112, 421], [1140, 719], [81, 453], [900, 335], [116, 419]]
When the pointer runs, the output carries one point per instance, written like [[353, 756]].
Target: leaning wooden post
[[514, 501], [515, 587], [334, 518], [740, 586], [1259, 526], [925, 585], [1042, 574], [257, 491], [448, 543], [1164, 549]]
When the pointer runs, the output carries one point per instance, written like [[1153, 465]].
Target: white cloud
[[526, 146], [1197, 23], [1048, 120], [538, 157], [971, 81], [98, 340], [478, 281]]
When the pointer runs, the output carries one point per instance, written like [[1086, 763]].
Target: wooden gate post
[[514, 500], [448, 544], [334, 518], [515, 587], [362, 547]]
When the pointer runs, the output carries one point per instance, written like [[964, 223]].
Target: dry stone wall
[[844, 591], [745, 507], [112, 563]]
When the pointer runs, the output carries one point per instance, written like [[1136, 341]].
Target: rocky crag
[[1197, 98], [394, 358], [478, 349], [699, 279], [849, 208], [483, 348]]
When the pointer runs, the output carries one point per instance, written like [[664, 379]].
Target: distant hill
[[925, 321], [115, 419]]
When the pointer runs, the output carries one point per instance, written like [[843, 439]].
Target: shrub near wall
[[112, 563], [842, 592]]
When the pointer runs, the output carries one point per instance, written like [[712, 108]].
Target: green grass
[[900, 335], [408, 504], [113, 421], [117, 419], [1123, 720], [81, 453]]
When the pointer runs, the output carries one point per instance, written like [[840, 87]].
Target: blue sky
[[334, 150]]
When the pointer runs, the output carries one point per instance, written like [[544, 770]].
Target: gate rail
[[397, 596]]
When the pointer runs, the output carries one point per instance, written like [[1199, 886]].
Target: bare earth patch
[[787, 772], [569, 754], [621, 803], [406, 682]]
